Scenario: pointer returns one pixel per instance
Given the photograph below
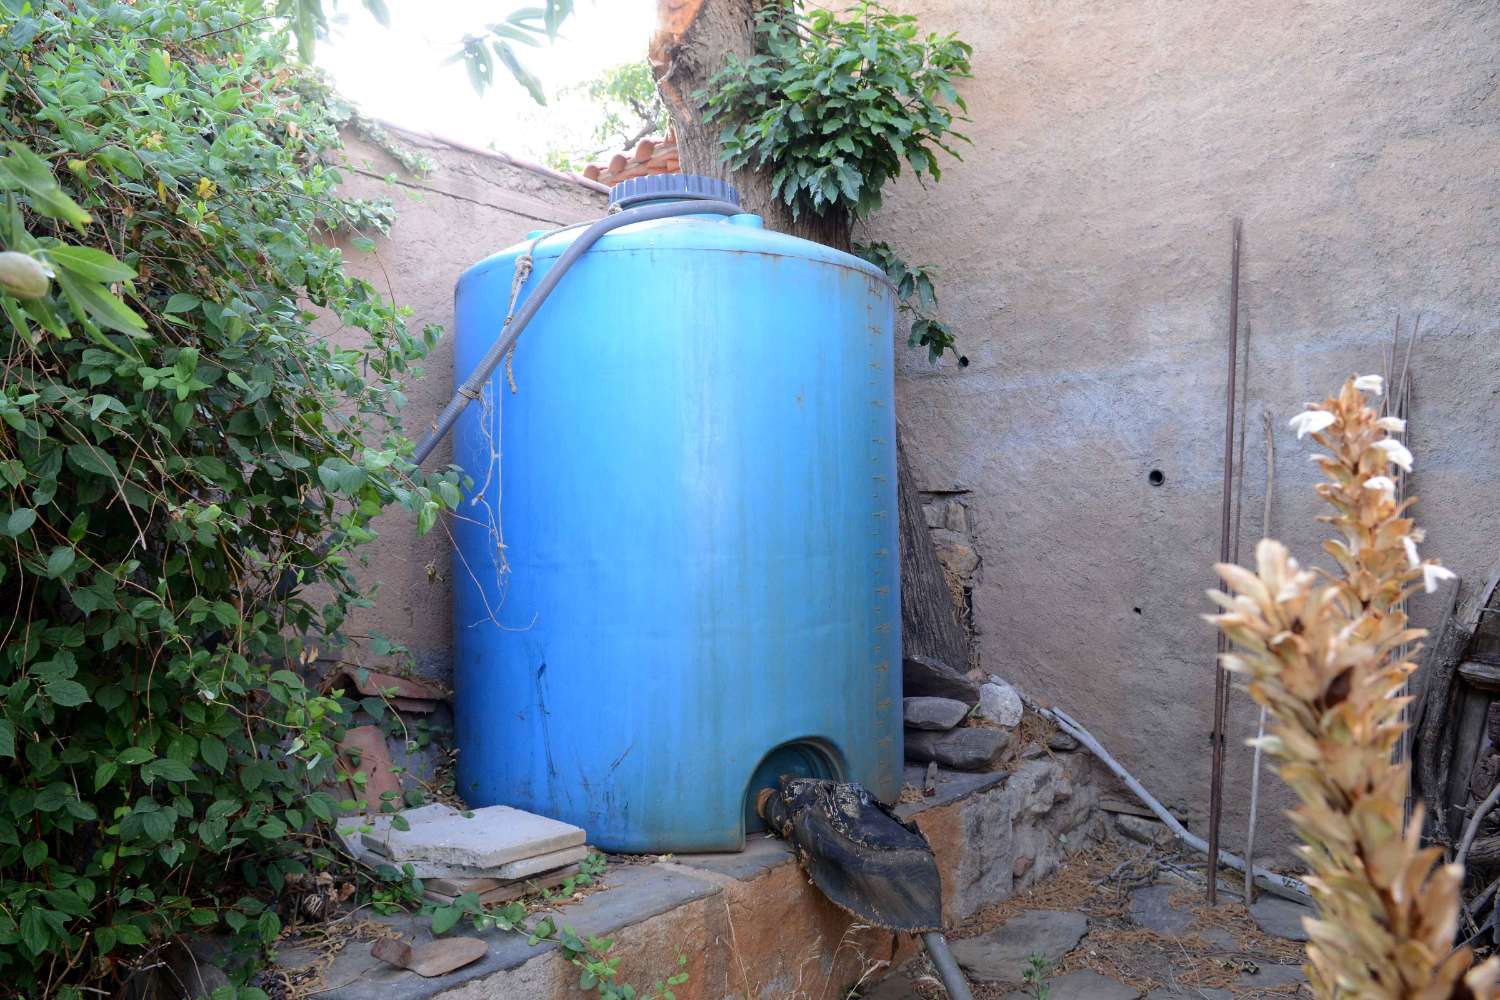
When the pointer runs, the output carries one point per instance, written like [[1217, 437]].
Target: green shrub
[[834, 102], [831, 106], [174, 440]]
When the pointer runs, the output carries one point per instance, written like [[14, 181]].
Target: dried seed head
[[1319, 653]]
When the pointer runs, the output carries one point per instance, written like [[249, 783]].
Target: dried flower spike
[[1319, 651]]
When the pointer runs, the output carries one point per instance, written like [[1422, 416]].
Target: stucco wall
[[468, 207], [1084, 251]]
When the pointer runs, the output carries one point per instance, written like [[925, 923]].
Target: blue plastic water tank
[[676, 576]]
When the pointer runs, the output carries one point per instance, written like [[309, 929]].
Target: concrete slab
[[528, 867], [762, 853], [480, 839], [380, 824]]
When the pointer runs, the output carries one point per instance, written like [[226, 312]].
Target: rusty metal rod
[[1221, 682]]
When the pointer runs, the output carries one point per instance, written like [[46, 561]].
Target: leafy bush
[[834, 103], [175, 441]]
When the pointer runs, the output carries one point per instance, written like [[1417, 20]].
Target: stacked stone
[[497, 853], [955, 720]]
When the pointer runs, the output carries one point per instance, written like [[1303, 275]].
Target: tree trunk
[[929, 615], [691, 42], [692, 39]]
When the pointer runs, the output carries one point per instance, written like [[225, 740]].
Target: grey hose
[[947, 969], [469, 390]]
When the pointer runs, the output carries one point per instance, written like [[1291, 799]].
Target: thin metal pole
[[1221, 682], [1260, 729]]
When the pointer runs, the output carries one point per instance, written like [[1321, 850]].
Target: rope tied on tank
[[490, 417], [517, 282]]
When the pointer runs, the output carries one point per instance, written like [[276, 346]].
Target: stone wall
[[751, 925], [470, 205], [1083, 248]]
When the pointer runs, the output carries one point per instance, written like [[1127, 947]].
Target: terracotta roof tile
[[650, 156]]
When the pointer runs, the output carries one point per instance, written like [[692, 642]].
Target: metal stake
[[1221, 682]]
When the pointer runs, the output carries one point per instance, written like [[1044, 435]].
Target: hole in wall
[[1156, 477]]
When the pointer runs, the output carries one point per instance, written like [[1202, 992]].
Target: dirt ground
[[1098, 882]]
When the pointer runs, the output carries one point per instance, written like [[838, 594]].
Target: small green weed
[[1034, 979]]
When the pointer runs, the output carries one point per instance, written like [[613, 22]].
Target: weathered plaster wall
[[1084, 251], [472, 204]]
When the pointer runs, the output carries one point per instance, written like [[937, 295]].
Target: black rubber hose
[[469, 390]]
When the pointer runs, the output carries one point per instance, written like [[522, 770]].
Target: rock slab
[[1151, 908], [1082, 985], [434, 958], [487, 838], [896, 986], [1000, 703], [1002, 955], [924, 676], [938, 714], [975, 748], [1281, 917], [1141, 829], [1271, 976]]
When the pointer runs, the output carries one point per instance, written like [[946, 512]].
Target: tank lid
[[671, 187]]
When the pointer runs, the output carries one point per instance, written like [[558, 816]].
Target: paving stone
[[1000, 703], [1001, 956], [1281, 917], [922, 675], [1268, 976], [934, 713], [1082, 985], [481, 839], [1152, 909], [973, 748]]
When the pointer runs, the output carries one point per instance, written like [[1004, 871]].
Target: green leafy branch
[[835, 103], [917, 296], [175, 438], [599, 971], [479, 52]]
